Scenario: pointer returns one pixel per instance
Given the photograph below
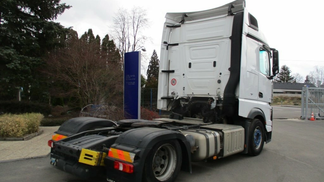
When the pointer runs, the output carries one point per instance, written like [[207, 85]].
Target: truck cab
[[217, 65]]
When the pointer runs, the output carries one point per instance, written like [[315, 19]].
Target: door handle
[[260, 94]]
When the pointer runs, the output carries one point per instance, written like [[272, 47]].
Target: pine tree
[[27, 33], [109, 50], [284, 75], [88, 37], [153, 71]]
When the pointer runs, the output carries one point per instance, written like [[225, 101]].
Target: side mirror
[[275, 62]]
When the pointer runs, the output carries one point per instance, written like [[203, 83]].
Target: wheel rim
[[164, 162], [257, 137]]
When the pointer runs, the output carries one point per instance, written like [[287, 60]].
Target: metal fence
[[312, 102], [149, 98]]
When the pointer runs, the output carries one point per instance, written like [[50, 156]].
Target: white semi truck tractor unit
[[215, 79]]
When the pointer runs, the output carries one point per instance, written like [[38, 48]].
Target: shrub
[[53, 121], [286, 100], [33, 121], [148, 114], [60, 110], [14, 125]]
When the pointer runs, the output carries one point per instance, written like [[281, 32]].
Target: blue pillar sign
[[132, 85]]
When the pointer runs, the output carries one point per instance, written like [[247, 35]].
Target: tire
[[163, 162], [256, 137]]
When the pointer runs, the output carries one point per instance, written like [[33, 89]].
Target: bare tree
[[128, 29], [121, 30], [80, 71], [298, 78], [139, 22], [317, 76]]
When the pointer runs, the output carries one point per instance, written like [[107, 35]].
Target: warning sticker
[[173, 81]]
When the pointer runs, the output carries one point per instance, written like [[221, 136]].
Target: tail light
[[127, 168], [50, 143]]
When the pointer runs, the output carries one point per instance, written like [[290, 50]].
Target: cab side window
[[264, 62]]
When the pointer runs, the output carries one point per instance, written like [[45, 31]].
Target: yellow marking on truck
[[121, 155], [92, 158]]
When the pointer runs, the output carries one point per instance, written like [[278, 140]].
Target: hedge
[[18, 125]]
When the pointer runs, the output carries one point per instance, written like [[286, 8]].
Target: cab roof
[[230, 8]]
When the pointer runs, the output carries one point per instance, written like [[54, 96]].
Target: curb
[[27, 158], [27, 137]]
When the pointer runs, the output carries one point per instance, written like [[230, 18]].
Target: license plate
[[53, 161]]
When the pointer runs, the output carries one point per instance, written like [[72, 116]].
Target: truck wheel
[[256, 137], [163, 162]]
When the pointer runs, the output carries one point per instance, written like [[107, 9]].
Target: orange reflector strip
[[58, 137], [121, 155]]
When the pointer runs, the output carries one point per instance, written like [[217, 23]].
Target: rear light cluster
[[127, 168], [55, 137], [50, 143]]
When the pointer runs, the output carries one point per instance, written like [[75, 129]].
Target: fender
[[140, 141], [256, 112], [76, 125]]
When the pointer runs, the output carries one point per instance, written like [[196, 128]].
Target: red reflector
[[127, 168], [50, 143]]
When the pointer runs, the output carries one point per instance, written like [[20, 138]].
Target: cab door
[[265, 85]]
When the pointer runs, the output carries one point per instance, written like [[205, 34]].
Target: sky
[[294, 27]]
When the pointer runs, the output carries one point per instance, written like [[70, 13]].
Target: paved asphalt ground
[[286, 112], [295, 154]]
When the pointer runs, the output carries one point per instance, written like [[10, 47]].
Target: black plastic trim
[[175, 44], [246, 126], [257, 39], [256, 112], [167, 97], [173, 26], [167, 71], [268, 137], [77, 125], [229, 103], [167, 44]]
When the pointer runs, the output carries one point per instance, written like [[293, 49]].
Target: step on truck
[[215, 79]]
